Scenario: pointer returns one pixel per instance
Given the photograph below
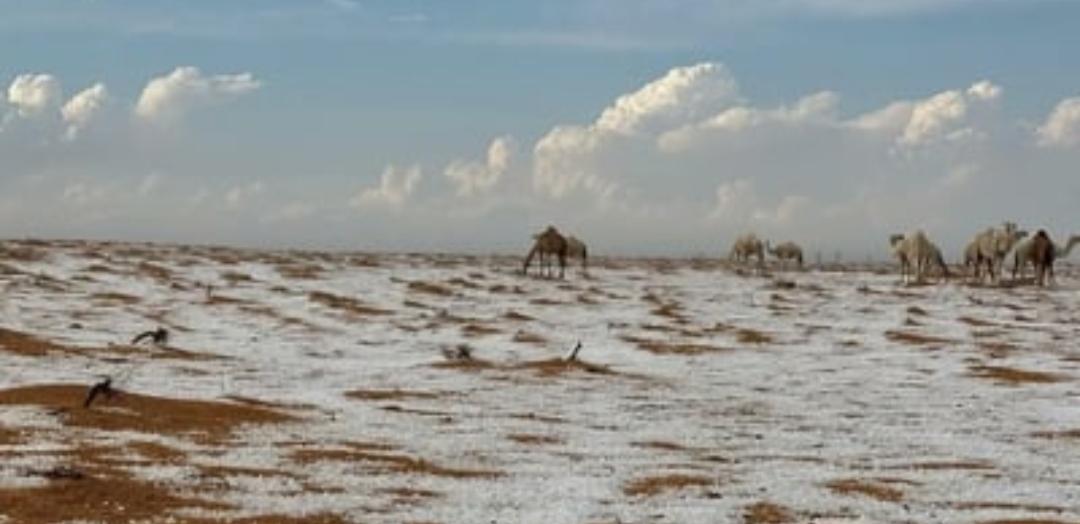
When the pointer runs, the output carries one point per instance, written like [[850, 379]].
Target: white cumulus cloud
[[166, 99], [34, 94], [563, 159], [80, 110], [1062, 126], [395, 187], [475, 178]]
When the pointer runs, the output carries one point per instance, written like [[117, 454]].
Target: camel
[[746, 246], [917, 254], [1022, 254], [575, 248], [991, 246], [786, 251], [1042, 257], [548, 242]]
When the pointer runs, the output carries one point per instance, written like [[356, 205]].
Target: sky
[[644, 127]]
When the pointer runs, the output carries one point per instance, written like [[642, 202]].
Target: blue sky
[[644, 127]]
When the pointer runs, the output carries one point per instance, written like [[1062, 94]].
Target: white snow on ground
[[759, 388]]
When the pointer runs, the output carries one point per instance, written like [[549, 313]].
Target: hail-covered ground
[[380, 388]]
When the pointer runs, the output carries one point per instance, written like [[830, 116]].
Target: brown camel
[[549, 242], [1022, 253], [1042, 257]]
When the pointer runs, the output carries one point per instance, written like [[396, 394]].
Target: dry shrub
[[1072, 434], [462, 282], [881, 489], [210, 421], [752, 336], [516, 316], [672, 348], [526, 337], [102, 299], [505, 289], [299, 271], [389, 394], [997, 349], [655, 485], [915, 339], [556, 366], [977, 322], [430, 288], [236, 277], [346, 304], [478, 330], [917, 311], [767, 513], [1014, 376], [154, 271], [660, 445], [544, 301], [942, 465], [669, 310], [522, 438]]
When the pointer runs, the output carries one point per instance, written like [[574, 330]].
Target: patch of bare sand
[[884, 490], [379, 459], [767, 513], [650, 486], [210, 421], [1014, 376], [96, 482]]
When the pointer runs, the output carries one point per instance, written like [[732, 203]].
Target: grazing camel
[[746, 246], [1042, 257], [917, 254], [991, 246], [548, 242], [1022, 254], [786, 251], [575, 248]]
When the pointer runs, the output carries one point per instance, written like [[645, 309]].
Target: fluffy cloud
[[82, 108], [166, 99], [396, 185], [1062, 126], [561, 158], [33, 94], [941, 117], [475, 178]]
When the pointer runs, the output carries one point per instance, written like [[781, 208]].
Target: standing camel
[[746, 246], [990, 247], [786, 251], [1042, 257], [917, 254], [547, 243], [1022, 254], [575, 248]]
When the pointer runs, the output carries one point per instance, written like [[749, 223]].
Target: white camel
[[917, 254], [746, 246], [786, 251], [991, 246], [1023, 254]]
